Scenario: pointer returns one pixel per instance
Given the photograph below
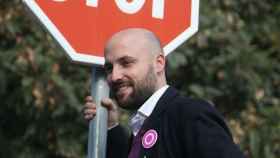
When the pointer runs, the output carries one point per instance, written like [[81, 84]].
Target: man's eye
[[108, 68], [126, 63]]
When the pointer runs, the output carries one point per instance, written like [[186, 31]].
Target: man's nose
[[116, 74]]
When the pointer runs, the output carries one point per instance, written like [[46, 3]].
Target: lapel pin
[[149, 139]]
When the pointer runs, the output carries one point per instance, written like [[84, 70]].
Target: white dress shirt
[[145, 110]]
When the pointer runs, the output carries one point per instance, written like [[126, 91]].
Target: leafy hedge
[[233, 61]]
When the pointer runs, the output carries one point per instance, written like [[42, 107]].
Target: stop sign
[[82, 27]]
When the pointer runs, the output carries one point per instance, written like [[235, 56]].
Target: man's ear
[[160, 63]]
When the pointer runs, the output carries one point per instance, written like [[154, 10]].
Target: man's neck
[[150, 103]]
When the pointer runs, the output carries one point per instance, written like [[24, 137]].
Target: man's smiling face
[[130, 72]]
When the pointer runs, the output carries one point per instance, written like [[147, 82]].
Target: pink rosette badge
[[149, 139]]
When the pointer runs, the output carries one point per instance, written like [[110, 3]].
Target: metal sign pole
[[98, 126]]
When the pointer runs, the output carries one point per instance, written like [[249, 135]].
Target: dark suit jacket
[[186, 128]]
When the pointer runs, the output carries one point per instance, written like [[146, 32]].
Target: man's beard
[[142, 90]]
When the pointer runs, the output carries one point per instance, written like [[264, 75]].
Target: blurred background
[[233, 61]]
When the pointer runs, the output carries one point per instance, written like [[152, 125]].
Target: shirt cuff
[[113, 126]]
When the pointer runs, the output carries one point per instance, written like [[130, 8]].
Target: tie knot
[[136, 123]]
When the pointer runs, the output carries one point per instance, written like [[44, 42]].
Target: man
[[165, 124]]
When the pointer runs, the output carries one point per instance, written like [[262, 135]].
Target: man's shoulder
[[183, 110], [190, 107]]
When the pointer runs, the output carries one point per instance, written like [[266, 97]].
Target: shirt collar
[[147, 108]]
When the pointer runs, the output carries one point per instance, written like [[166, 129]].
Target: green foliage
[[232, 61], [41, 92]]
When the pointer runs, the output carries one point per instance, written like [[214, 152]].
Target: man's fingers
[[108, 103], [89, 111], [89, 99], [88, 117], [89, 114], [90, 105]]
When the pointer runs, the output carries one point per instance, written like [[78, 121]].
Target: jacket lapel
[[151, 127]]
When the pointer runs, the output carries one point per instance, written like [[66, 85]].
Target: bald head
[[136, 38], [134, 64], [135, 55]]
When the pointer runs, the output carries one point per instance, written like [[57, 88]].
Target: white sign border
[[185, 35]]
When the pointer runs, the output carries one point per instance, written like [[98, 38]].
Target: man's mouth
[[121, 88]]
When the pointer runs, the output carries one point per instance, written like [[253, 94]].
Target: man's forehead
[[113, 56], [126, 49], [136, 43]]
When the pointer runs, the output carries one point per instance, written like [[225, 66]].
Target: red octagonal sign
[[82, 27]]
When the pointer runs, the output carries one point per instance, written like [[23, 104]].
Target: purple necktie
[[136, 145], [136, 124]]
